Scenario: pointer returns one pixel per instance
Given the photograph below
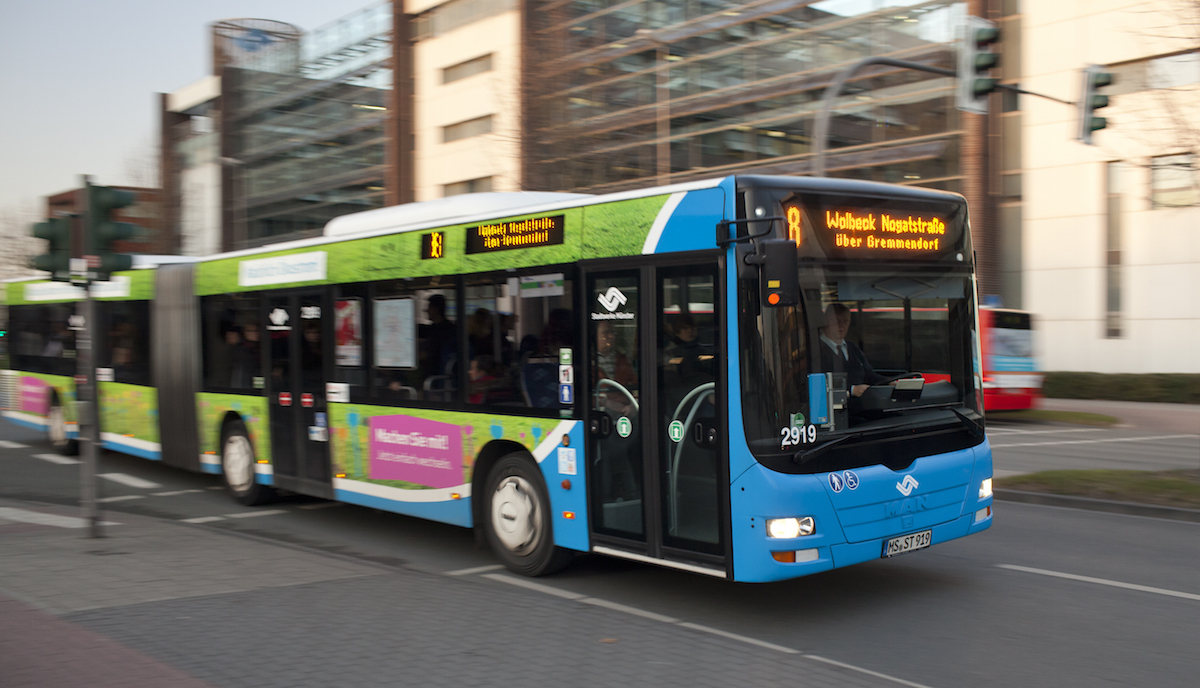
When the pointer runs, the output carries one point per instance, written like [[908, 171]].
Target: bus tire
[[237, 466], [56, 429], [517, 518]]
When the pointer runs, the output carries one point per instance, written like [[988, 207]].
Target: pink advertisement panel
[[416, 450], [35, 396]]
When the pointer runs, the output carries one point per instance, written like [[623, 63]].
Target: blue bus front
[[856, 425]]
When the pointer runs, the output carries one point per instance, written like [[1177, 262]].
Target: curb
[[1128, 508]]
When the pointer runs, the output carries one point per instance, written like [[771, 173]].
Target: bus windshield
[[870, 355]]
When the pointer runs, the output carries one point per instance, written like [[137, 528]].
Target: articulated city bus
[[1011, 379], [754, 377]]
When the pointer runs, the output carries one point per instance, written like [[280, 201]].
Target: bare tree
[[1169, 31], [17, 243], [141, 165]]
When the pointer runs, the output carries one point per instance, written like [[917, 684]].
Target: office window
[[467, 129], [469, 186], [1173, 181], [1112, 273], [463, 70]]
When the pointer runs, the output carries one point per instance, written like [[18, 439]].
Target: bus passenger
[[838, 355]]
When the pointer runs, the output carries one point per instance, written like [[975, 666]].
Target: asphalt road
[[1048, 596]]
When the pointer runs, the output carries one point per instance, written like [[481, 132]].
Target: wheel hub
[[239, 464], [515, 516]]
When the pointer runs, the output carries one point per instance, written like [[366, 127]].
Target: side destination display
[[504, 236]]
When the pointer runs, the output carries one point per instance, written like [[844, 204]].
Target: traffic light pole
[[87, 396], [821, 129]]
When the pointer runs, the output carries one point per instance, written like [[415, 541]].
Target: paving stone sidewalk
[[162, 603]]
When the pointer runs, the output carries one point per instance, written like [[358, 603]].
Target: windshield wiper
[[804, 456], [971, 425]]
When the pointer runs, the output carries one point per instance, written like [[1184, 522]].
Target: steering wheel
[[605, 382]]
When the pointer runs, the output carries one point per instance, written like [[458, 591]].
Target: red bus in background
[[1011, 379]]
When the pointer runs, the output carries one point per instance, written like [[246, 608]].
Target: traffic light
[[57, 258], [975, 58], [1093, 79], [103, 231]]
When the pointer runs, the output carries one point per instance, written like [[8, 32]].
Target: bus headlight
[[783, 528], [985, 488]]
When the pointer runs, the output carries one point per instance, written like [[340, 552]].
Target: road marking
[[1102, 581], [618, 607], [203, 519], [252, 514], [474, 570], [1115, 439], [565, 594], [129, 480], [55, 458], [122, 498], [538, 587], [1014, 431], [876, 674], [172, 493], [43, 519], [740, 638], [9, 444]]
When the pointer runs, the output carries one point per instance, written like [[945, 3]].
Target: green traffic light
[[104, 231]]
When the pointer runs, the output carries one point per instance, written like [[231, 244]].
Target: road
[[306, 590]]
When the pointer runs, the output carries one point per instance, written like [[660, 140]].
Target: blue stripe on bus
[[568, 533], [212, 468], [455, 512], [693, 225], [29, 424], [132, 451]]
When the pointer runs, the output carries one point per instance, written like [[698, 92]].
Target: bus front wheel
[[237, 466], [517, 518]]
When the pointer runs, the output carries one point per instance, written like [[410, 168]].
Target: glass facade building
[[625, 94], [302, 124]]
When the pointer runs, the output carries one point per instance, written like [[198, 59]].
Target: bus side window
[[414, 341]]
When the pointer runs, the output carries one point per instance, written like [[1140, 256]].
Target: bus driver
[[841, 356]]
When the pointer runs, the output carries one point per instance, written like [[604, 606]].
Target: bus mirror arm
[[723, 238]]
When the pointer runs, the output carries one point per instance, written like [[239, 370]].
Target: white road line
[[9, 444], [252, 514], [129, 480], [1007, 431], [522, 583], [172, 493], [1102, 581], [1116, 439], [44, 519], [740, 638], [876, 674], [549, 590], [203, 519], [618, 607], [474, 570], [121, 498], [55, 458]]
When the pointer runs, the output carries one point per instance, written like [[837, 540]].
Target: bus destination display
[[899, 231], [505, 236]]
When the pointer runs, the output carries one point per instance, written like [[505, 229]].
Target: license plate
[[907, 543]]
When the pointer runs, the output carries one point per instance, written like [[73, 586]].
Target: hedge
[[1175, 388]]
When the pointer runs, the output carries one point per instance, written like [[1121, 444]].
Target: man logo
[[612, 299], [908, 485]]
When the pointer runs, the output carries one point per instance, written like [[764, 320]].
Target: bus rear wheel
[[517, 520], [56, 430], [237, 466]]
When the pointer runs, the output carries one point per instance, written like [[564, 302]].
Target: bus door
[[297, 328], [656, 481]]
